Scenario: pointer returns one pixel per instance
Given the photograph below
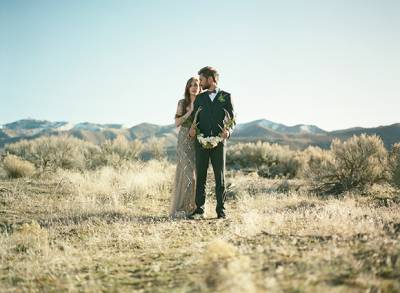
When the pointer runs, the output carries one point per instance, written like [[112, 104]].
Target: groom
[[214, 103]]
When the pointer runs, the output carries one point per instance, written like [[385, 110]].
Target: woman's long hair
[[187, 99]]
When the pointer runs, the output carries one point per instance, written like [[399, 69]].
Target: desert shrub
[[22, 149], [116, 152], [154, 148], [271, 160], [51, 152], [394, 165], [3, 173], [287, 167], [354, 164], [16, 167], [92, 156], [66, 152], [319, 167]]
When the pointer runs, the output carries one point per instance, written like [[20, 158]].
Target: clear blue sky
[[335, 64]]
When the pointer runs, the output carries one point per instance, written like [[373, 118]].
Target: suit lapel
[[217, 96], [207, 99]]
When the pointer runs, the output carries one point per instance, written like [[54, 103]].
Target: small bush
[[319, 164], [155, 148], [16, 167], [92, 156], [354, 164], [66, 152], [116, 152], [271, 160], [394, 165], [52, 152]]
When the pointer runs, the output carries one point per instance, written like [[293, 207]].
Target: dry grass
[[108, 230], [15, 167]]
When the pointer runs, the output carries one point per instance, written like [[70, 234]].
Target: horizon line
[[125, 125]]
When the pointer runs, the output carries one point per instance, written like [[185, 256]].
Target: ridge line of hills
[[298, 136]]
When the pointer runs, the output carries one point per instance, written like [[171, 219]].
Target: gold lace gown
[[183, 196]]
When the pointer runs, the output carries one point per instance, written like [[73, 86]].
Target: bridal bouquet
[[209, 142], [213, 141]]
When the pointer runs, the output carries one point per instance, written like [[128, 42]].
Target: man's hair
[[209, 71]]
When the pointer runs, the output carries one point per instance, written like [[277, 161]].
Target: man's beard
[[205, 87]]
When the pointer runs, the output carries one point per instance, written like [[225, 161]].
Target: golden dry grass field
[[107, 230]]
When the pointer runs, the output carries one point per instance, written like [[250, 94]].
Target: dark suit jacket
[[212, 113]]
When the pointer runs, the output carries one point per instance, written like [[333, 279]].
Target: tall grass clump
[[132, 181], [353, 164], [16, 167], [30, 238], [225, 270]]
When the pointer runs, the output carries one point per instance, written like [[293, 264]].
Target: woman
[[183, 199]]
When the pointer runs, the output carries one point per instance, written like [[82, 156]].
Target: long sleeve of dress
[[179, 113], [179, 109]]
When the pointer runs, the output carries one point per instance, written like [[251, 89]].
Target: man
[[211, 107]]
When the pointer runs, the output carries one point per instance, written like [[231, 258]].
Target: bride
[[183, 198]]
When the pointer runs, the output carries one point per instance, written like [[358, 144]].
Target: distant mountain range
[[298, 136]]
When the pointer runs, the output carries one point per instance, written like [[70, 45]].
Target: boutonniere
[[221, 98]]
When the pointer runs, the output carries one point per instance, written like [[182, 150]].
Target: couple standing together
[[206, 120]]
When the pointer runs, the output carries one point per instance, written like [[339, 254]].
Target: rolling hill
[[298, 136]]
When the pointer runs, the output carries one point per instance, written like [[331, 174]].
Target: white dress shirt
[[212, 96]]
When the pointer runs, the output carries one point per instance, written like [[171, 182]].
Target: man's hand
[[225, 133]]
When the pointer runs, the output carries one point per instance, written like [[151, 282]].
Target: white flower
[[209, 142]]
